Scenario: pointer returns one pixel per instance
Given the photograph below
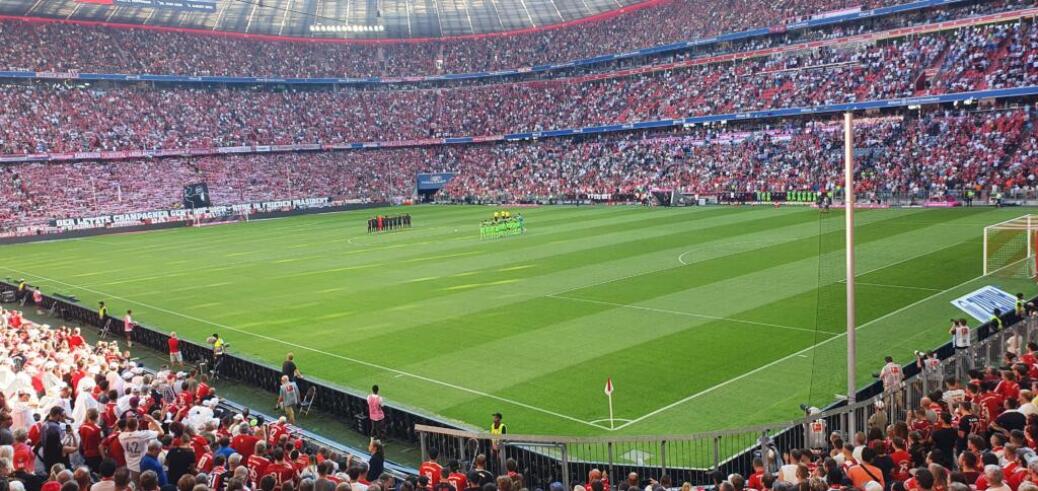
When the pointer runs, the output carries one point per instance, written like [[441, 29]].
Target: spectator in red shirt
[[431, 469], [90, 439], [456, 478], [1008, 388], [76, 340], [282, 470], [257, 462], [24, 458], [245, 442], [175, 357], [110, 446]]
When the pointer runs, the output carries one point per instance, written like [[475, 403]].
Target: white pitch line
[[688, 314], [787, 357], [333, 355], [902, 261], [905, 287]]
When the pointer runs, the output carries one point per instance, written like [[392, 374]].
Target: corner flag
[[609, 386], [609, 394]]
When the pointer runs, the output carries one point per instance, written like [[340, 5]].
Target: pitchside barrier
[[696, 458], [700, 458], [348, 406]]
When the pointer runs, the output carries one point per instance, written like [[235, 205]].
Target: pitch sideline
[[318, 351]]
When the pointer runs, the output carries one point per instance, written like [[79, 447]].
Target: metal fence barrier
[[701, 458], [541, 460]]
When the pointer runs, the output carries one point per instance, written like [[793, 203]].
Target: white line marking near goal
[[884, 285], [688, 314], [787, 357], [606, 420], [902, 261], [368, 364]]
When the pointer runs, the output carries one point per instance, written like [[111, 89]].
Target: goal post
[[1009, 247]]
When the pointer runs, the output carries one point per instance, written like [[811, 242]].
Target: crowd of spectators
[[974, 435], [57, 118], [46, 46], [76, 416], [927, 154]]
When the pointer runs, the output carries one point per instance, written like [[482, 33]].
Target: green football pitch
[[704, 318]]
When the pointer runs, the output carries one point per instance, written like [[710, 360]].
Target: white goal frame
[[1027, 224]]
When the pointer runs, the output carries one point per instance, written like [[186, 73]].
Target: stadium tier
[[49, 117], [48, 46], [929, 154]]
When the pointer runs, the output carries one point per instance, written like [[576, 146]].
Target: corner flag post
[[609, 394]]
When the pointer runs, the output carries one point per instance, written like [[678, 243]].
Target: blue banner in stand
[[982, 303], [434, 182]]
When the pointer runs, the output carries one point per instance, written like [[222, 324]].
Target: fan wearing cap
[[878, 419]]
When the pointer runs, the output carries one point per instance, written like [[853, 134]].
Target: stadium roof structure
[[343, 19]]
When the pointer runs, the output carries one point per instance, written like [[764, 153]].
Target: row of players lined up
[[381, 223], [502, 224]]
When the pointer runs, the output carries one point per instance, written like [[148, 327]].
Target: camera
[[919, 354]]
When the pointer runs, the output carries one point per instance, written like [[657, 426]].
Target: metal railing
[[698, 458]]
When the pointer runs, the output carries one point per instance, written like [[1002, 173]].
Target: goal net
[[1009, 247]]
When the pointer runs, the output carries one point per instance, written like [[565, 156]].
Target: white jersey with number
[[135, 444], [932, 367], [961, 337], [891, 375]]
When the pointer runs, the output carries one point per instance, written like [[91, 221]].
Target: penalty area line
[[399, 373]]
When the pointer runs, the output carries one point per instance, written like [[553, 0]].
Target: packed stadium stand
[[81, 414], [60, 46], [58, 118], [930, 154]]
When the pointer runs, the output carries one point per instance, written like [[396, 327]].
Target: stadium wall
[[102, 230]]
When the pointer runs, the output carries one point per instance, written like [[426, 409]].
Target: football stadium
[[534, 245]]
